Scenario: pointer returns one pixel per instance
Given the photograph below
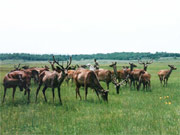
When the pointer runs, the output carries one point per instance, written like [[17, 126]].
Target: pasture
[[131, 112]]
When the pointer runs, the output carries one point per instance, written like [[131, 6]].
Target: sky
[[89, 26]]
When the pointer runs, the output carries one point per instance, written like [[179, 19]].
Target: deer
[[131, 74], [88, 78], [53, 79], [144, 78], [136, 72], [21, 79], [165, 74]]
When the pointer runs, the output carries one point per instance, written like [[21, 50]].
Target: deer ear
[[169, 65]]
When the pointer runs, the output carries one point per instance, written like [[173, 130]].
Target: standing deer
[[131, 74], [120, 74], [136, 72], [144, 76], [87, 78], [53, 79], [165, 74]]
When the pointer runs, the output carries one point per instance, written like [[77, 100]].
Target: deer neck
[[131, 68], [169, 73], [115, 70], [145, 68]]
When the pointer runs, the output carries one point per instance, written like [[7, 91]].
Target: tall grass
[[130, 112]]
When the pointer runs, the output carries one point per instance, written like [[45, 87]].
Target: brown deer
[[131, 74], [70, 76], [136, 72], [21, 79], [53, 79], [88, 78], [165, 74], [144, 76]]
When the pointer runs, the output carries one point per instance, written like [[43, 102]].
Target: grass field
[[129, 113]]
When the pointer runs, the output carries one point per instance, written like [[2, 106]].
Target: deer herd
[[87, 76]]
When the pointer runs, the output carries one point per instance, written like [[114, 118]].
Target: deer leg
[[97, 94], [59, 94], [53, 93], [86, 92], [77, 92], [134, 83], [44, 89], [25, 92], [4, 94], [149, 85], [28, 90], [166, 81], [130, 84], [37, 91], [107, 83], [138, 86], [14, 90]]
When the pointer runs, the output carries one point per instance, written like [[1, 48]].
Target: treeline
[[108, 56]]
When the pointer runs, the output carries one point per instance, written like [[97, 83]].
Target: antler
[[69, 62], [54, 60], [52, 65], [140, 62], [149, 62]]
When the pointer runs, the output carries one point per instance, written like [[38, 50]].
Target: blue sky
[[86, 27]]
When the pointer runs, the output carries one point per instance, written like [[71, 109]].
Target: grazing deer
[[70, 76], [165, 74], [53, 79], [21, 79], [87, 78], [71, 71]]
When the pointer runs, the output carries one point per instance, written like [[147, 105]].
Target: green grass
[[130, 112]]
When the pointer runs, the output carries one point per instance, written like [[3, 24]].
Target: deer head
[[145, 64], [61, 68], [172, 67], [132, 65]]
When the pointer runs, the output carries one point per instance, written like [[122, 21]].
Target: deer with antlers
[[165, 74], [53, 79], [144, 77], [88, 78]]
